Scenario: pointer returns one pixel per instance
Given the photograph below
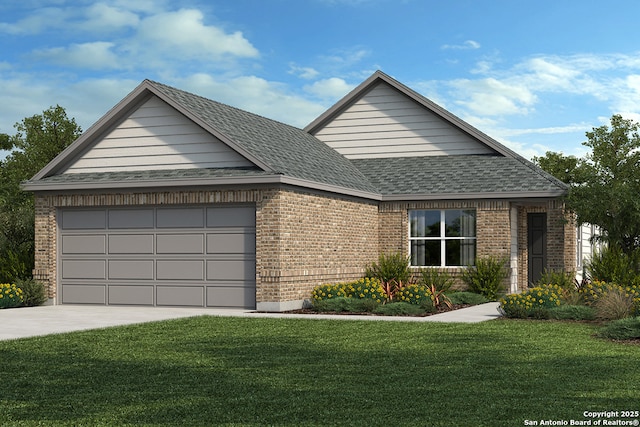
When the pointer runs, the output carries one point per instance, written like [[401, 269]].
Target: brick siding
[[302, 239]]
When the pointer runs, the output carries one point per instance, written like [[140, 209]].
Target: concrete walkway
[[44, 320]]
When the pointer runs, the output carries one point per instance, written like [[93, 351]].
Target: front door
[[537, 245]]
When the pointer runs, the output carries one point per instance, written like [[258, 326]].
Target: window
[[442, 238]]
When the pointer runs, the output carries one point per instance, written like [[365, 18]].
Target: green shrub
[[572, 312], [467, 298], [623, 329], [486, 277], [400, 309], [365, 288], [441, 280], [10, 295], [345, 304], [612, 265], [33, 292], [535, 303], [394, 266], [393, 271], [566, 280]]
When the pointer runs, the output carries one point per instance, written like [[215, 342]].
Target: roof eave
[[139, 184], [550, 194], [40, 186]]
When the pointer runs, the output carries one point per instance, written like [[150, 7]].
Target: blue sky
[[535, 75]]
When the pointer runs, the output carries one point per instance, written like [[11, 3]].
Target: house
[[172, 199]]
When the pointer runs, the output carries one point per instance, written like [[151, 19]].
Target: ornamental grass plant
[[487, 276]]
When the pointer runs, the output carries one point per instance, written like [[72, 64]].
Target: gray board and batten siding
[[196, 256], [156, 136], [385, 123]]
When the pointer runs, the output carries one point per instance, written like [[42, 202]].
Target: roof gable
[[156, 136], [384, 118]]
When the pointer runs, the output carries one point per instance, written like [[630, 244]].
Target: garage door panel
[[130, 218], [141, 269], [84, 219], [231, 296], [84, 269], [130, 294], [172, 256], [192, 296], [131, 244], [180, 269], [86, 244], [180, 243], [231, 270], [237, 216], [231, 243], [84, 294], [180, 218]]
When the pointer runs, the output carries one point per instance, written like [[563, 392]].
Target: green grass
[[234, 371]]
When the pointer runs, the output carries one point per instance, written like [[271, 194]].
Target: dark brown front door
[[537, 245]]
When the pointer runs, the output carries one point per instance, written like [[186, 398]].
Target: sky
[[534, 75]]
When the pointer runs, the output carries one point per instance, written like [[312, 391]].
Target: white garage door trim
[[196, 256]]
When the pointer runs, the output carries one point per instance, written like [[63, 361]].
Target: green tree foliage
[[38, 140], [605, 184], [561, 166]]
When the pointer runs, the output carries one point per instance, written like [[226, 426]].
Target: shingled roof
[[438, 177], [285, 154]]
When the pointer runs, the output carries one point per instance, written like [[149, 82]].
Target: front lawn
[[237, 371]]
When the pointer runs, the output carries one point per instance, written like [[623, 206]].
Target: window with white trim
[[443, 237]]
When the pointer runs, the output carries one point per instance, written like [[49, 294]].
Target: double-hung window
[[443, 237]]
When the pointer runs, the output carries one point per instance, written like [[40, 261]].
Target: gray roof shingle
[[456, 175]]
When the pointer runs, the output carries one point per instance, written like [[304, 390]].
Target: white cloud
[[184, 33], [490, 96], [331, 88], [306, 73], [466, 45], [41, 19], [101, 16], [96, 55]]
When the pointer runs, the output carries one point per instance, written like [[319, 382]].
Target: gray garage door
[[164, 256]]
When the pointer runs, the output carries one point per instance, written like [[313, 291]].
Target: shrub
[[345, 304], [394, 266], [441, 280], [34, 292], [566, 280], [612, 265], [466, 298], [535, 303], [615, 304], [393, 272], [486, 277], [365, 288], [399, 309], [623, 329], [10, 295], [572, 312]]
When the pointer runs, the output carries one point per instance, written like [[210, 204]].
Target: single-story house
[[172, 199]]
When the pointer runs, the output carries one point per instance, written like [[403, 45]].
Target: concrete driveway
[[55, 319]]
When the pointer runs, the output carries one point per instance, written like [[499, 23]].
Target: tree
[[39, 139], [605, 184], [561, 166]]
